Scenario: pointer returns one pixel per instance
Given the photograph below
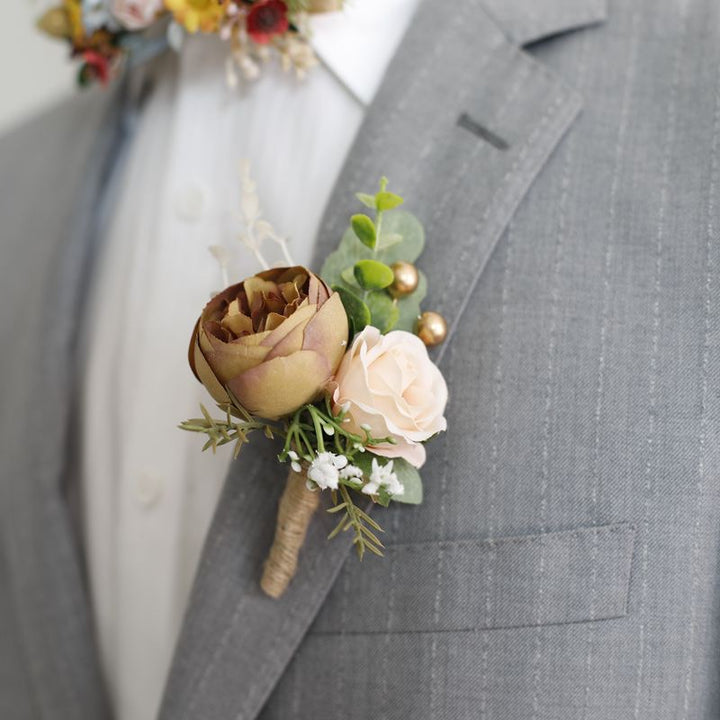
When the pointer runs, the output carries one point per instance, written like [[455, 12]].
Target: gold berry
[[405, 281], [431, 328]]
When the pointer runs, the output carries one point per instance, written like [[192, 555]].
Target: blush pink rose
[[388, 383], [136, 14]]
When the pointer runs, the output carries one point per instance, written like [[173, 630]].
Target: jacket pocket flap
[[553, 578]]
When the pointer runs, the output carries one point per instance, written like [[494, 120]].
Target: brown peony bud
[[274, 341]]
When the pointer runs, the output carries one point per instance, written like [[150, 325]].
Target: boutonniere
[[335, 366], [103, 34]]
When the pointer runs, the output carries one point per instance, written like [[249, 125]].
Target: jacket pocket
[[453, 586]]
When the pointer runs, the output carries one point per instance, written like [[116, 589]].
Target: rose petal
[[327, 332], [230, 359], [237, 323], [207, 377], [414, 453], [291, 343], [301, 315], [280, 386]]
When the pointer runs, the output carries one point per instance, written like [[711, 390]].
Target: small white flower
[[383, 476], [324, 470], [293, 455], [365, 427], [351, 471], [296, 466]]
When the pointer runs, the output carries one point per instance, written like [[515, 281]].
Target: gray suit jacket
[[565, 561]]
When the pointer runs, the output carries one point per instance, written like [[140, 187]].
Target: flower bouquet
[[103, 34]]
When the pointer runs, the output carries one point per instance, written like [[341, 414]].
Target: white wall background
[[35, 71]]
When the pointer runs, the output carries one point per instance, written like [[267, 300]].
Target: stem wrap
[[295, 511]]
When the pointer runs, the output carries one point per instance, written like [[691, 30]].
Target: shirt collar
[[358, 42]]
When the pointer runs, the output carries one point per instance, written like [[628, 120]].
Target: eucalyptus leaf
[[409, 476], [364, 229], [348, 277], [387, 240], [372, 274], [357, 311], [409, 228], [384, 311], [385, 200], [396, 224], [367, 200]]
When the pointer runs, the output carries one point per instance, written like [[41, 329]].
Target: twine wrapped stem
[[296, 509]]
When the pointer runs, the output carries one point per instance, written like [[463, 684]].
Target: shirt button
[[191, 201], [148, 489]]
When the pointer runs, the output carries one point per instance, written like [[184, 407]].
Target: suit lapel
[[462, 124]]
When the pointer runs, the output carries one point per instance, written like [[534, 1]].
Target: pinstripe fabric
[[591, 348], [565, 562], [225, 633]]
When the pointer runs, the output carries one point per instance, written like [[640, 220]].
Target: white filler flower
[[383, 476], [325, 469]]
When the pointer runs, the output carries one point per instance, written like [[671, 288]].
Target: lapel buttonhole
[[468, 123]]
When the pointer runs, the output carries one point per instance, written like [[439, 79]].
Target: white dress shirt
[[148, 491]]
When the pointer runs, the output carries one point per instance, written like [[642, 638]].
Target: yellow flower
[[194, 15], [64, 22]]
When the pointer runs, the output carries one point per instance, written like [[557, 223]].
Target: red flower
[[96, 67], [265, 19]]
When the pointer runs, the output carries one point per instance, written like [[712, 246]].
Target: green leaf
[[387, 240], [357, 311], [367, 200], [400, 224], [348, 277], [384, 311], [364, 229], [387, 201], [384, 498], [409, 476], [409, 228], [372, 274]]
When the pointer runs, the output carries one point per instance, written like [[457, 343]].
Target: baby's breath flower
[[325, 469], [382, 476], [351, 472]]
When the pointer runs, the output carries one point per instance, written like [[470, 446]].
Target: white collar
[[358, 42]]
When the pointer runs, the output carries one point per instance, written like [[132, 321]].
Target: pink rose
[[136, 14], [388, 384]]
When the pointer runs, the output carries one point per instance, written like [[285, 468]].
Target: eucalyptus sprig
[[360, 269]]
